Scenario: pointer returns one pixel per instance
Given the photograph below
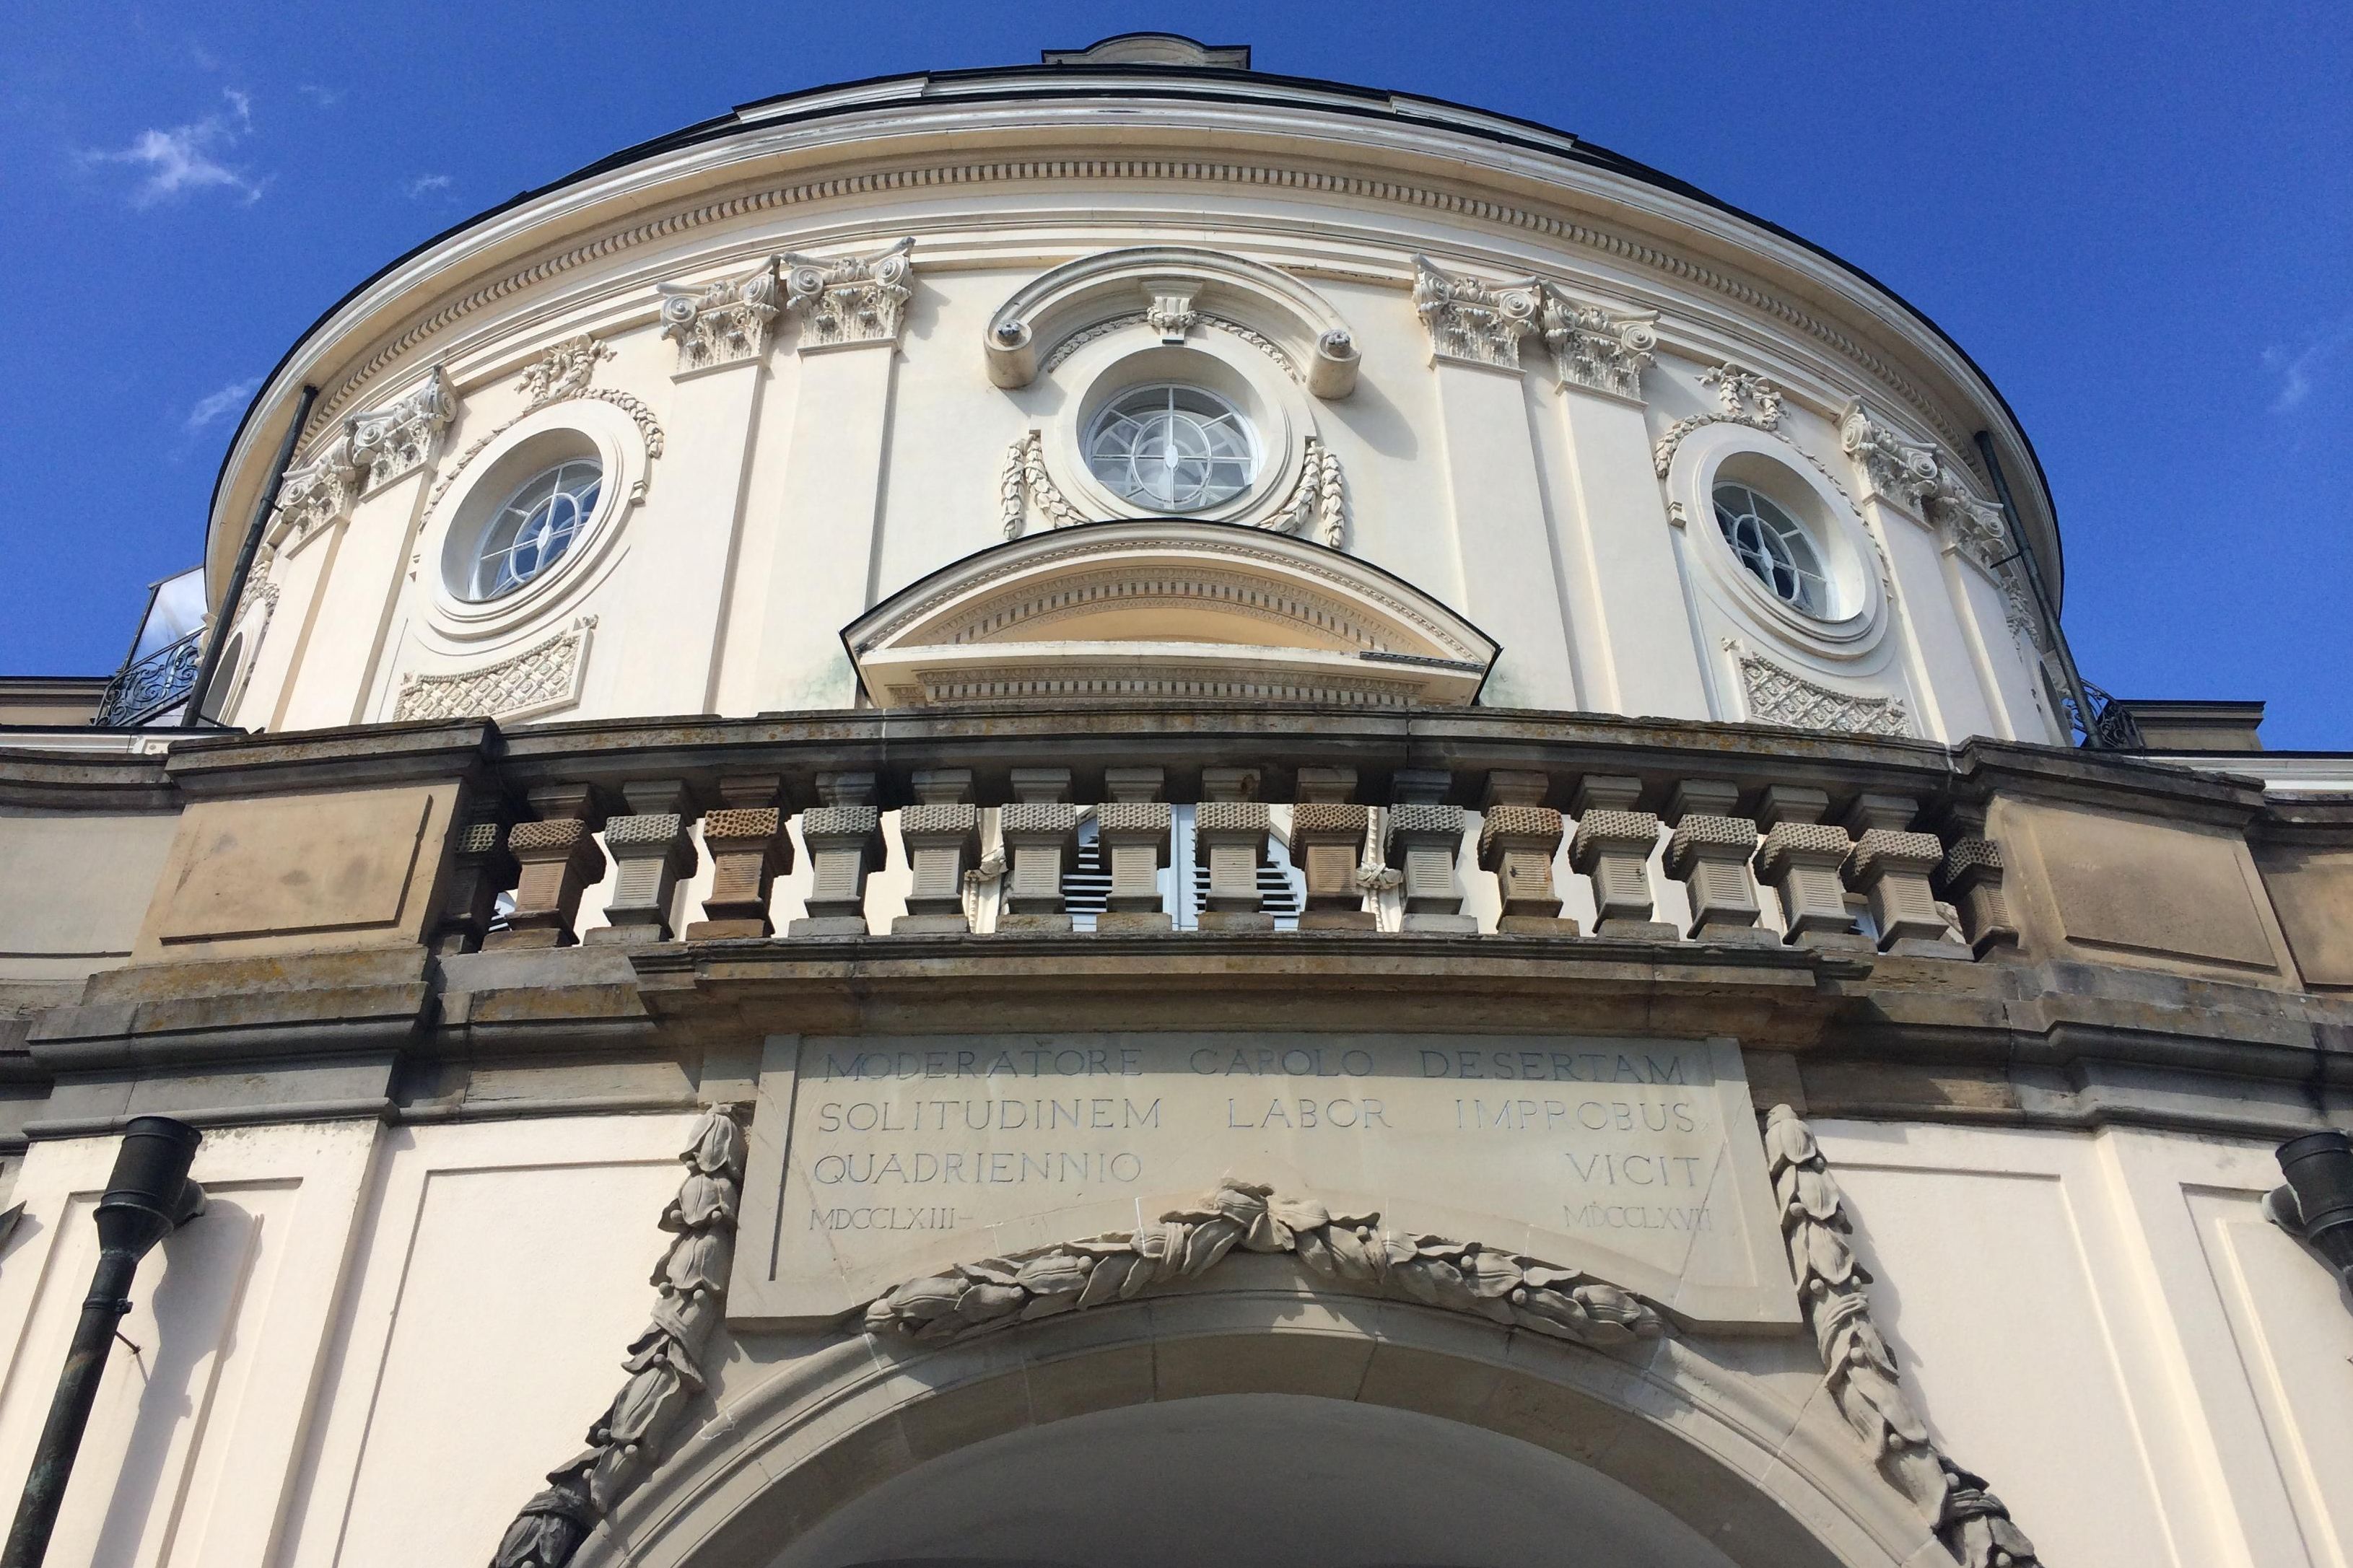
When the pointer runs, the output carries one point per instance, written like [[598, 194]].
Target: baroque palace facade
[[1244, 821]]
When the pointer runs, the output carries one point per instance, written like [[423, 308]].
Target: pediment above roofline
[[1123, 611]]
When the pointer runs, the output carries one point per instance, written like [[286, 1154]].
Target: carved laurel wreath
[[1456, 1276]]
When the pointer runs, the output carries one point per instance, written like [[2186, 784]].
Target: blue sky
[[2138, 218]]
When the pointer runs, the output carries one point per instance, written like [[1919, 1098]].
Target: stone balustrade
[[1642, 847]]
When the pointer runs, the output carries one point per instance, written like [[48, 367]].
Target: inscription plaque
[[876, 1160]]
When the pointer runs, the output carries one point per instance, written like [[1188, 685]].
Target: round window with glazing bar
[[1773, 546], [539, 523], [1172, 448]]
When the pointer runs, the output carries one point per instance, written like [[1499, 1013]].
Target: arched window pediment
[[1149, 610], [1171, 286]]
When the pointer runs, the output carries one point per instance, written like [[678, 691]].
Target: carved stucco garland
[[664, 1374], [1072, 1276], [1860, 1370], [563, 371], [1317, 507]]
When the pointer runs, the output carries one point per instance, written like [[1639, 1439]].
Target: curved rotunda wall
[[810, 364]]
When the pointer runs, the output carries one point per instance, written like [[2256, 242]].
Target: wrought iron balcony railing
[[153, 685]]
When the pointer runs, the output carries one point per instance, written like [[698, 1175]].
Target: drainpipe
[[2317, 1205], [2041, 595], [147, 1198], [193, 714]]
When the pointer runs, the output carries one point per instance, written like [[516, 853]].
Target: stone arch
[[1172, 286], [1119, 611], [1731, 1438]]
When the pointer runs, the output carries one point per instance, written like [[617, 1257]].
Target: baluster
[[1328, 841], [1424, 835], [1230, 838], [558, 860], [1890, 867], [1040, 829], [1969, 878], [652, 849], [844, 836], [1517, 842], [748, 846], [480, 868], [1800, 860], [1132, 828], [941, 833], [1612, 845], [1708, 853]]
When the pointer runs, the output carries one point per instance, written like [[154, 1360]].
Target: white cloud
[[215, 406], [2301, 369], [190, 157], [324, 97], [425, 185]]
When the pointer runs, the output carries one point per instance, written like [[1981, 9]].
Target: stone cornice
[[1551, 188]]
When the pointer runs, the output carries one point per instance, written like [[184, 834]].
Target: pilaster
[[850, 311], [1615, 510], [1502, 536], [721, 331], [1898, 476]]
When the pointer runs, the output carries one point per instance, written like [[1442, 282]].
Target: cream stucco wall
[[759, 505], [377, 1339]]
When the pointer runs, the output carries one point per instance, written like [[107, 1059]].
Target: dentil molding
[[923, 179]]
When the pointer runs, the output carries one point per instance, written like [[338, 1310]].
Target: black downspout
[[193, 714], [2041, 595], [148, 1197]]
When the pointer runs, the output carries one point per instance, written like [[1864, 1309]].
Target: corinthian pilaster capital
[[849, 298], [1471, 320], [318, 490], [387, 442], [1972, 526], [1897, 469], [1598, 350], [724, 321]]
